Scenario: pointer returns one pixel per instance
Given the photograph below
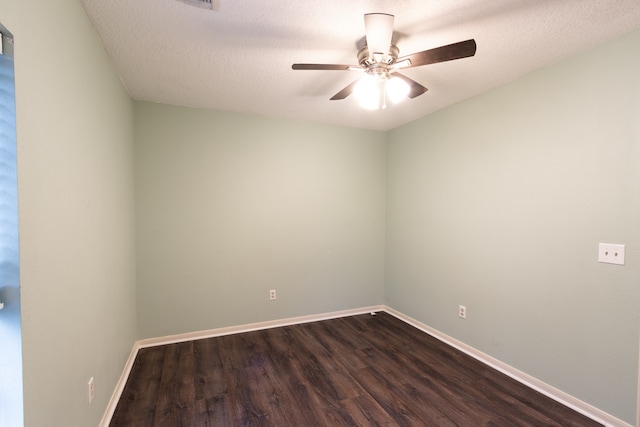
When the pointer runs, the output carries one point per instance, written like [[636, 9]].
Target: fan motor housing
[[369, 63]]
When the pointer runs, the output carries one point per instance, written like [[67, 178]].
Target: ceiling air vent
[[204, 4]]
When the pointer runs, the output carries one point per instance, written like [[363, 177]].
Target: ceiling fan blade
[[339, 67], [344, 92], [440, 54], [378, 29], [416, 89]]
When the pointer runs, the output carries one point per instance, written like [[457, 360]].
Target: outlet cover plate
[[462, 311], [611, 253]]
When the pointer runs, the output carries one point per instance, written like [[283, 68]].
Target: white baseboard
[[526, 379], [549, 391], [115, 397], [171, 339]]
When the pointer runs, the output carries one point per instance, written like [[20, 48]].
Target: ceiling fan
[[380, 61]]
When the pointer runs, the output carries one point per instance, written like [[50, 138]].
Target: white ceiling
[[237, 57]]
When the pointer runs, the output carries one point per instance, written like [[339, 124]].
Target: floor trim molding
[[558, 395], [171, 339], [115, 397], [549, 391]]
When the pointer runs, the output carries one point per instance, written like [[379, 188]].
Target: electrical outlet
[[91, 389], [610, 253], [272, 294], [462, 311]]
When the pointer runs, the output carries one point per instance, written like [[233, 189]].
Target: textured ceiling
[[237, 57]]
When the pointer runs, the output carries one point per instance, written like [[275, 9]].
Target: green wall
[[499, 203], [230, 206], [75, 178]]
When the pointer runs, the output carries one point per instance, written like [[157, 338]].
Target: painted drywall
[[75, 179], [230, 206], [499, 203]]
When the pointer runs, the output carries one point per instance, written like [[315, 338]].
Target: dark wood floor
[[355, 371]]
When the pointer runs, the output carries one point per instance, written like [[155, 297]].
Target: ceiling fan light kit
[[374, 90], [380, 60]]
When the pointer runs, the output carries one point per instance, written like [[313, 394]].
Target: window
[[11, 408]]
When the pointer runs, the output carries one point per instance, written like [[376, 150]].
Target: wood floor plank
[[367, 412], [388, 392], [211, 411], [208, 369], [320, 365], [175, 403], [138, 399], [356, 371]]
